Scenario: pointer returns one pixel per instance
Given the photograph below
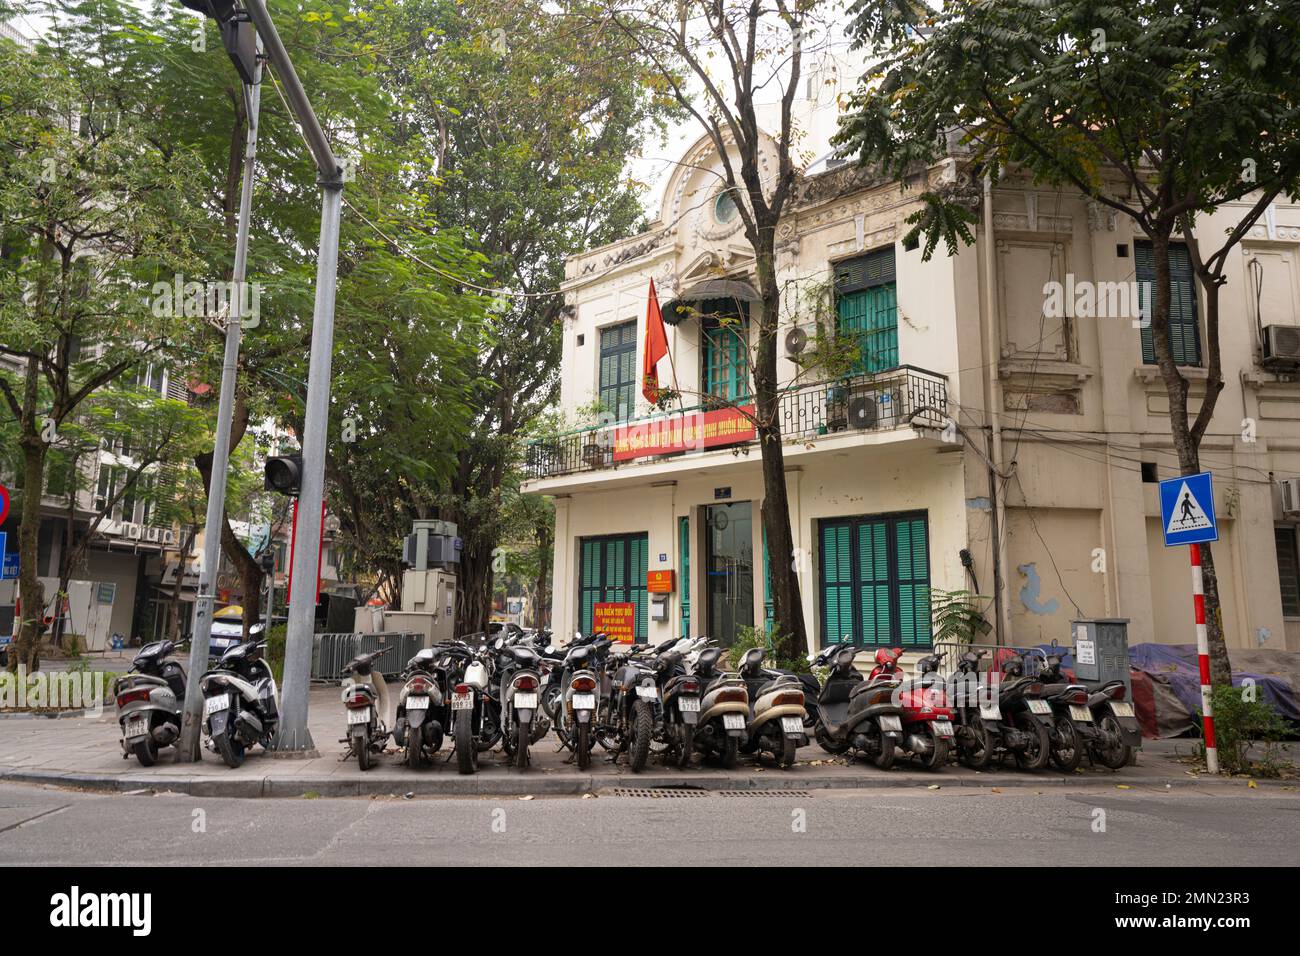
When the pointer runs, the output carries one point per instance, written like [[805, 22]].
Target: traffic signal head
[[284, 475]]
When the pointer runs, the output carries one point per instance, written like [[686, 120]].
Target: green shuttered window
[[613, 570], [1184, 328], [724, 343], [867, 304], [618, 375], [875, 577]]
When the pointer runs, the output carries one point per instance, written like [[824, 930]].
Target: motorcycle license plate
[[691, 704], [360, 715], [584, 701], [942, 728], [894, 723], [1122, 708], [733, 721], [792, 725], [417, 703], [649, 693], [525, 701], [1040, 707], [462, 701], [991, 711], [1079, 712], [136, 727], [215, 704]]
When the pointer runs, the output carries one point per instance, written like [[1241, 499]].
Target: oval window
[[724, 208]]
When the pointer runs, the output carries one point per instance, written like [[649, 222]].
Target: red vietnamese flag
[[656, 347]]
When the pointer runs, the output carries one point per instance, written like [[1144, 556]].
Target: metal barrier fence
[[950, 653], [331, 652]]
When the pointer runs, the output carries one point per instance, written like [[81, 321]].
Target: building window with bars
[[1288, 569], [724, 350]]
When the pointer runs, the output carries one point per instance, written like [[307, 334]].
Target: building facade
[[1001, 430]]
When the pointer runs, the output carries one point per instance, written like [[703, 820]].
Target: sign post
[[1187, 514]]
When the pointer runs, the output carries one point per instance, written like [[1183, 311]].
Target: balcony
[[897, 398]]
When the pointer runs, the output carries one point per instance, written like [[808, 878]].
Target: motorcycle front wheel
[[1065, 756], [827, 742], [146, 751], [231, 750], [466, 746]]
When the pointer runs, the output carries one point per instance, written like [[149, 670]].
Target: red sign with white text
[[616, 620], [685, 432]]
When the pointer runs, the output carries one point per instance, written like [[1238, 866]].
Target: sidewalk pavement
[[84, 753]]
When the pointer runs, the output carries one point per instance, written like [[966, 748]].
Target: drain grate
[[671, 792], [658, 792]]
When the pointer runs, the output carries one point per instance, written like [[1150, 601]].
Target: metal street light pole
[[192, 721], [294, 738]]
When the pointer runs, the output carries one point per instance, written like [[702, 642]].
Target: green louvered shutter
[[876, 625], [867, 305], [638, 563], [913, 570], [684, 553], [1184, 328], [837, 584]]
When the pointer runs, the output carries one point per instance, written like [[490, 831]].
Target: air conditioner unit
[[153, 534], [1282, 346], [129, 530], [1290, 497], [168, 536], [800, 339]]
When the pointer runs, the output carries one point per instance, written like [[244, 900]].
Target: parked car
[[228, 630]]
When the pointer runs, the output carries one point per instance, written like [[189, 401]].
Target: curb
[[570, 784]]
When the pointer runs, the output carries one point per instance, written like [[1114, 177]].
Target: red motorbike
[[927, 717]]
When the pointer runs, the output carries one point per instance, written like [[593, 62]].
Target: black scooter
[[150, 701], [855, 714], [240, 700]]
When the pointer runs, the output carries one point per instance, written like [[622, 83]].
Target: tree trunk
[[783, 574], [475, 604], [545, 542], [1186, 443], [26, 649]]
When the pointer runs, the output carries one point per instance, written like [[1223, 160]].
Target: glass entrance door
[[729, 555]]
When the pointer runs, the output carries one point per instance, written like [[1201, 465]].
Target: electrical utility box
[[431, 545], [1101, 652]]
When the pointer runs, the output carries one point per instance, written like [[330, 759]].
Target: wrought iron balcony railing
[[883, 401]]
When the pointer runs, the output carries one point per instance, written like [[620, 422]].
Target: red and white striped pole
[[1203, 658]]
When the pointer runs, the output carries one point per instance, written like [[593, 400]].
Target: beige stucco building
[[964, 360]]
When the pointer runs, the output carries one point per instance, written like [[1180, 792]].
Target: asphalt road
[[1018, 826]]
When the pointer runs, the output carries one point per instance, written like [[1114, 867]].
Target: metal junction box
[[1101, 651], [431, 545]]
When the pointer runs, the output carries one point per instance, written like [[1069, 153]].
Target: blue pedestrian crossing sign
[[1187, 509]]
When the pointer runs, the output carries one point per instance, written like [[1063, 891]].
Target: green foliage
[[957, 616], [1243, 721], [275, 643], [780, 649]]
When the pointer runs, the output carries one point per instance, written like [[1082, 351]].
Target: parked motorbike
[[421, 722], [1026, 720], [521, 683], [680, 692], [1116, 732], [241, 703], [927, 718], [576, 710], [475, 714], [150, 702], [776, 720], [978, 713], [365, 699], [630, 707], [724, 710], [856, 714], [1071, 717]]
